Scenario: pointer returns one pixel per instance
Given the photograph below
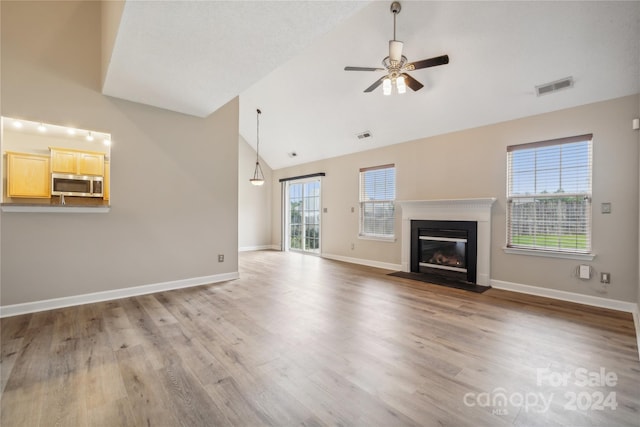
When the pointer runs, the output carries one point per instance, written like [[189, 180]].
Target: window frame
[[560, 198], [363, 203]]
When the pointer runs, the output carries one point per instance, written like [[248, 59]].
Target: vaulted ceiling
[[288, 57]]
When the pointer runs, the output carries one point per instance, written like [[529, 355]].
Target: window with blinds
[[377, 196], [549, 195]]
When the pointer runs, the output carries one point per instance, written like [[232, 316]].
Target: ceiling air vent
[[364, 135], [554, 86]]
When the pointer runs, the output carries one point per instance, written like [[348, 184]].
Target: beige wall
[[111, 14], [254, 203], [174, 177], [425, 170]]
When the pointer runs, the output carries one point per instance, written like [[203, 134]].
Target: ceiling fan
[[396, 65]]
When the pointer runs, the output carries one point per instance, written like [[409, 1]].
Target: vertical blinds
[[377, 196], [549, 194]]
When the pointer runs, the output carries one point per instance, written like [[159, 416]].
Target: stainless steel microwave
[[76, 185]]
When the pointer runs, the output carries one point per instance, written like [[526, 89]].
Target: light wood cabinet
[[28, 175], [64, 160], [90, 164], [107, 181]]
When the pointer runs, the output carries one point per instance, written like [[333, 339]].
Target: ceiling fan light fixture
[[396, 65], [386, 86], [401, 85]]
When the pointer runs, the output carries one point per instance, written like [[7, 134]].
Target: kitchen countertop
[[54, 208]]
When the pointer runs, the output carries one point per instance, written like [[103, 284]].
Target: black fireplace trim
[[471, 227]]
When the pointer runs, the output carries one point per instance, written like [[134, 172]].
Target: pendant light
[[258, 176]]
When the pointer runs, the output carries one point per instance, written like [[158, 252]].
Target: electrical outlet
[[221, 258], [605, 278], [353, 246]]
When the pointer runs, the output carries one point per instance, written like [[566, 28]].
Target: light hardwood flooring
[[301, 340]]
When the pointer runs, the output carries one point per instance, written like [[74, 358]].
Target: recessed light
[[90, 137]]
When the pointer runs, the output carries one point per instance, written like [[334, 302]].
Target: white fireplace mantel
[[478, 210]]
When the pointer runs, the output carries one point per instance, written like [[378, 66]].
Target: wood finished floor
[[300, 340]]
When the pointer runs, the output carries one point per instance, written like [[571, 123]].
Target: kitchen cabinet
[[107, 181], [63, 161], [76, 162], [28, 175]]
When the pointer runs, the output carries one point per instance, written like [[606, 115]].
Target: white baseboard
[[50, 304], [612, 304], [255, 248], [367, 262]]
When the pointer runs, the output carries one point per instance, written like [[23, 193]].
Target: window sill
[[549, 254], [379, 239]]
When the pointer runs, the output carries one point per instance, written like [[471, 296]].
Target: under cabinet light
[[90, 137], [42, 128], [17, 124]]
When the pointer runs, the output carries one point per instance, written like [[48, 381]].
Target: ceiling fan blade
[[412, 83], [375, 85], [426, 63], [363, 69]]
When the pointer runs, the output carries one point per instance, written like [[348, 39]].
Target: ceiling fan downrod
[[395, 9], [395, 46]]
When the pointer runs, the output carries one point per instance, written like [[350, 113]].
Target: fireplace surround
[[471, 210]]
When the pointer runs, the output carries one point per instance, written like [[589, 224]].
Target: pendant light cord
[[258, 134]]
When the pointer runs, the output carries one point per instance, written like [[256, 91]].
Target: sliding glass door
[[303, 215]]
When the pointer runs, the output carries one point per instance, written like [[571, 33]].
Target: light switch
[[585, 272], [605, 208]]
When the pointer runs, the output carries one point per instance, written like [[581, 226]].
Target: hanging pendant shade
[[258, 176]]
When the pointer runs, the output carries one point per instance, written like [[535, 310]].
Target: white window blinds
[[377, 196], [549, 195]]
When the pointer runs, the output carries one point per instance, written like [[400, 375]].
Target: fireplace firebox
[[445, 249]]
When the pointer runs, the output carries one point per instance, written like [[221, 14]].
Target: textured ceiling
[[195, 56], [287, 59]]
